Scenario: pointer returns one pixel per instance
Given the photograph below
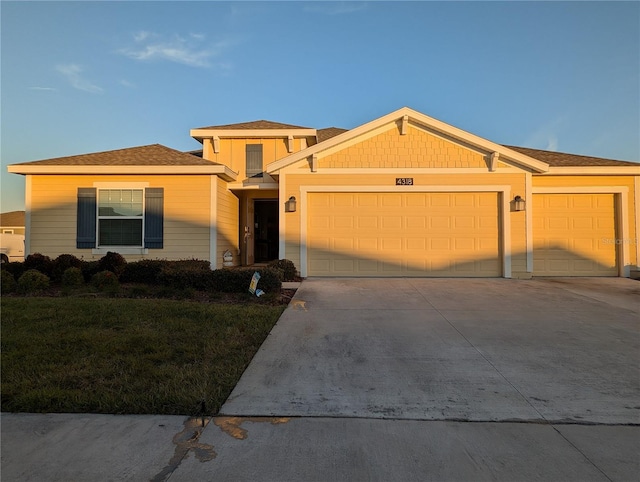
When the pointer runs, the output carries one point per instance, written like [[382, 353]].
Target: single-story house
[[12, 222], [402, 195]]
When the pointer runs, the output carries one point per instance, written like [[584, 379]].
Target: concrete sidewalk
[[447, 380], [62, 447]]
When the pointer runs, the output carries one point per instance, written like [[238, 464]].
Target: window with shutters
[[254, 160], [127, 218], [120, 217]]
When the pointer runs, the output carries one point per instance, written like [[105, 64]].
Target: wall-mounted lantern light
[[290, 205], [518, 203]]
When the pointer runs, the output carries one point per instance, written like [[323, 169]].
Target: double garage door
[[403, 234], [454, 234]]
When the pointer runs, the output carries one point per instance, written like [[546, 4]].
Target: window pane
[[120, 232], [120, 202]]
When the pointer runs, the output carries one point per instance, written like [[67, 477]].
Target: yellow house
[[402, 195]]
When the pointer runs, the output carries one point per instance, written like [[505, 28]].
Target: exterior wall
[[415, 149], [294, 181], [227, 224], [186, 214], [232, 153], [632, 238]]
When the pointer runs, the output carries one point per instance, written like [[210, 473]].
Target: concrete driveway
[[543, 350]]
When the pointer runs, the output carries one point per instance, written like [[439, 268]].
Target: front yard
[[133, 356]]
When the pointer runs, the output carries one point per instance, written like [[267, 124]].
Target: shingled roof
[[562, 159], [12, 218], [151, 155], [328, 133], [258, 124]]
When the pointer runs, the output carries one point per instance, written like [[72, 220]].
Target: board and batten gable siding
[[185, 218], [227, 223], [296, 182], [233, 152]]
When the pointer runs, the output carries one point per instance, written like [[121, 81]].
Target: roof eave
[[200, 134], [593, 170], [214, 169]]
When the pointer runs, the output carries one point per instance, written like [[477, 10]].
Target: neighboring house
[[12, 222], [403, 195]]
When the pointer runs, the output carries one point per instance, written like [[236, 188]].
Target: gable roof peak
[[257, 124]]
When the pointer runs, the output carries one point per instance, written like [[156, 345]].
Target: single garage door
[[403, 234], [574, 235]]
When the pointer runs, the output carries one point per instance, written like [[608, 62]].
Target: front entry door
[[265, 230]]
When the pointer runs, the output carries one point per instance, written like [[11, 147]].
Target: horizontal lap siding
[[228, 223], [186, 214]]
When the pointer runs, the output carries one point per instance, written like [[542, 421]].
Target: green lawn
[[110, 355]]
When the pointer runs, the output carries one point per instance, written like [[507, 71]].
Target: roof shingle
[[258, 124], [151, 155], [562, 159]]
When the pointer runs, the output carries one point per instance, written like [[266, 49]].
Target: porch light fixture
[[290, 205], [518, 203]]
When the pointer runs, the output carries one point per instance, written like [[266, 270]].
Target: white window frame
[[119, 247]]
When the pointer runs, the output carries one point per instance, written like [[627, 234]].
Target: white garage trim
[[621, 197], [504, 227], [528, 221]]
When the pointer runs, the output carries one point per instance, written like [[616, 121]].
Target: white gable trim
[[431, 124]]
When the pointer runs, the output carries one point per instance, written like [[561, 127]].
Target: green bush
[[32, 281], [289, 272], [89, 269], [113, 262], [40, 262], [143, 271], [181, 277], [8, 282], [62, 263], [16, 268], [237, 280], [106, 281], [72, 278]]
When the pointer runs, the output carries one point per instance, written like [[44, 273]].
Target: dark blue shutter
[[154, 217], [86, 222]]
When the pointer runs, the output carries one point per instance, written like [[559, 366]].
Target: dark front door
[[266, 230]]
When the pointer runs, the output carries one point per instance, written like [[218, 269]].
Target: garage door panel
[[404, 234], [569, 230]]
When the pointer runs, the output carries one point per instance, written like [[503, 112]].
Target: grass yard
[[133, 356]]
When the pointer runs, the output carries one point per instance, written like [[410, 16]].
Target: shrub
[[16, 268], [89, 269], [62, 263], [106, 281], [72, 278], [237, 280], [143, 271], [39, 262], [8, 282], [181, 277], [113, 262], [32, 281], [289, 272]]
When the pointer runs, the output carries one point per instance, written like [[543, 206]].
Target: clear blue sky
[[82, 77]]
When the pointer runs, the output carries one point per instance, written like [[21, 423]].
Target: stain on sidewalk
[[187, 441], [232, 425]]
